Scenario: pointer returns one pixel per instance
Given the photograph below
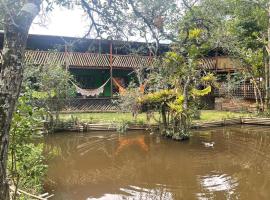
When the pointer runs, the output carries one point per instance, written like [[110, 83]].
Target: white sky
[[61, 21], [66, 22]]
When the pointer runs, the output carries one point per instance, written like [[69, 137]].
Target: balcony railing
[[87, 60], [94, 60], [242, 90]]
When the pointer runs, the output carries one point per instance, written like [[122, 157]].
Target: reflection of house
[[93, 62], [128, 142]]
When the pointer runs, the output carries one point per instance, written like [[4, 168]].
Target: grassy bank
[[206, 115], [215, 115]]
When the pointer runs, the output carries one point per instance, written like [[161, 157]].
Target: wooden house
[[93, 62]]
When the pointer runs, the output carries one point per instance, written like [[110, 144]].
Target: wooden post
[[216, 61], [67, 66], [111, 69], [245, 89], [66, 57]]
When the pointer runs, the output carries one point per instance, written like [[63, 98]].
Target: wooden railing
[[91, 104], [86, 60], [94, 60], [242, 90]]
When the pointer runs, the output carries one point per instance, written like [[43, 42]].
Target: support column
[[111, 69]]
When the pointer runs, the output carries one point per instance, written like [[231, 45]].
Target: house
[[94, 62]]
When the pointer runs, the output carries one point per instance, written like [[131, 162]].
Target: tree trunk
[[17, 24], [184, 117], [163, 115], [266, 80], [185, 94], [267, 67]]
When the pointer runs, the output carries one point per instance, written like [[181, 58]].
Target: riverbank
[[206, 116], [122, 122]]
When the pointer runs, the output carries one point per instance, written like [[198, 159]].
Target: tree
[[248, 26], [17, 21], [176, 96], [244, 34], [174, 84], [26, 163], [50, 86]]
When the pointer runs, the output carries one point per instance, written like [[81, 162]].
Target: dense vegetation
[[37, 111]]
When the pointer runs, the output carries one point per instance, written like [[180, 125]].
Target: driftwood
[[44, 196]]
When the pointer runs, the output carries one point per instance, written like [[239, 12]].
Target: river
[[221, 163]]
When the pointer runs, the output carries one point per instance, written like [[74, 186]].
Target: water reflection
[[214, 183], [223, 163], [135, 192]]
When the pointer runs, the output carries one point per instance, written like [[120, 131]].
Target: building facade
[[96, 62]]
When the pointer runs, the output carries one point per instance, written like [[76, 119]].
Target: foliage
[[158, 97], [176, 94], [128, 100], [50, 86], [246, 25], [177, 105], [202, 92], [26, 162], [122, 126]]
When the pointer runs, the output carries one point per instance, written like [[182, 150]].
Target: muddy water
[[224, 163]]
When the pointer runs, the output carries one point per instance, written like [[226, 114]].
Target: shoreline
[[88, 127]]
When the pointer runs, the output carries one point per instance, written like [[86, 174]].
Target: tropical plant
[[26, 164]]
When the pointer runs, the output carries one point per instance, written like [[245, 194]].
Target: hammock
[[121, 89], [90, 92], [142, 87]]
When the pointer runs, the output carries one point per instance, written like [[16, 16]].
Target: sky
[[66, 22], [61, 21]]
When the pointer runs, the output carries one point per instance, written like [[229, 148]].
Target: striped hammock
[[90, 92]]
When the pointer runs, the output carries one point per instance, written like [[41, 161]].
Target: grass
[[206, 115], [106, 117], [215, 115]]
